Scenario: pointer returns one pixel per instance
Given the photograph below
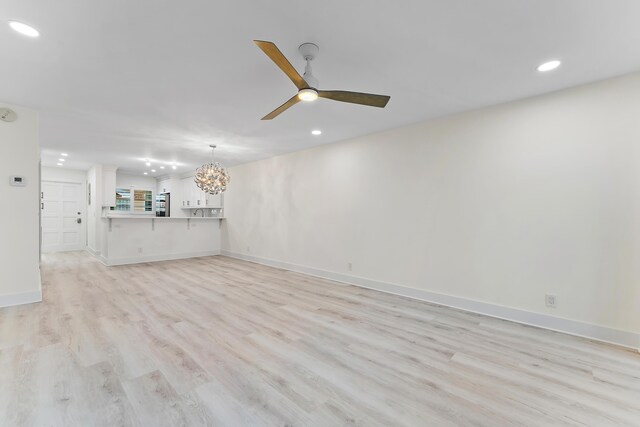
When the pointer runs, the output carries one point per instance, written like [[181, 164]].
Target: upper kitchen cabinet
[[213, 200], [193, 197], [165, 186]]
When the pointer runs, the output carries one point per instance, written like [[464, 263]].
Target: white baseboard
[[92, 251], [154, 258], [7, 300], [559, 324], [19, 298], [84, 248]]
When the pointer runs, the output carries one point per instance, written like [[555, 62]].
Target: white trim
[[67, 181], [84, 248], [19, 298], [545, 321], [92, 251], [154, 258]]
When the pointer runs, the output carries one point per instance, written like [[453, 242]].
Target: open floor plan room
[[317, 214]]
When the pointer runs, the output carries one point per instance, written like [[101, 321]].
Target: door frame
[[83, 203]]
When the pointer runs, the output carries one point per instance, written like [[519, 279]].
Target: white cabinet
[[186, 202], [213, 201], [192, 196], [186, 192], [200, 197]]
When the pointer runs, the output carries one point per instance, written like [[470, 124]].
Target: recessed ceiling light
[[61, 160], [24, 29], [64, 154], [59, 164], [148, 163], [145, 173], [316, 132], [153, 170], [161, 167], [174, 167], [548, 66]]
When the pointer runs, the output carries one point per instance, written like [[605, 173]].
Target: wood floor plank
[[157, 404]]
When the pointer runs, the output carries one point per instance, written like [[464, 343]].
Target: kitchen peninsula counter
[[131, 239]]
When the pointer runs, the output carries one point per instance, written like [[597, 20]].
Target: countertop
[[163, 218]]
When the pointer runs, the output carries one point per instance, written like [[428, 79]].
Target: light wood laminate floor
[[217, 341]]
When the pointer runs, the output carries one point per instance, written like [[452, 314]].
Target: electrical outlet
[[550, 300], [248, 249], [139, 250], [350, 267]]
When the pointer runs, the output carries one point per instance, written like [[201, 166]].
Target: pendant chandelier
[[212, 178]]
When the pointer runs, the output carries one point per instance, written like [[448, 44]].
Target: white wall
[[19, 216], [500, 205], [141, 182], [62, 174]]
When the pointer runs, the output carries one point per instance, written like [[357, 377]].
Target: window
[[142, 201], [123, 199]]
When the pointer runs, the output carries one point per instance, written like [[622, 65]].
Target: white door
[[62, 216]]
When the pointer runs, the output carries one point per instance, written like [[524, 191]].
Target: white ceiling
[[117, 81]]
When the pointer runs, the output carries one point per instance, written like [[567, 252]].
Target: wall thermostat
[[18, 181]]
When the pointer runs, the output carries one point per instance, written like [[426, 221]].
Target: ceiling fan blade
[[275, 113], [272, 51], [355, 97]]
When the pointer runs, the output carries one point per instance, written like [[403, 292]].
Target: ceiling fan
[[308, 85]]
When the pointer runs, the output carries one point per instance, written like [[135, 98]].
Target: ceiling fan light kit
[[308, 95], [308, 84]]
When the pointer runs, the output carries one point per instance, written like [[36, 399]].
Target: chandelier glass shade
[[212, 177]]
